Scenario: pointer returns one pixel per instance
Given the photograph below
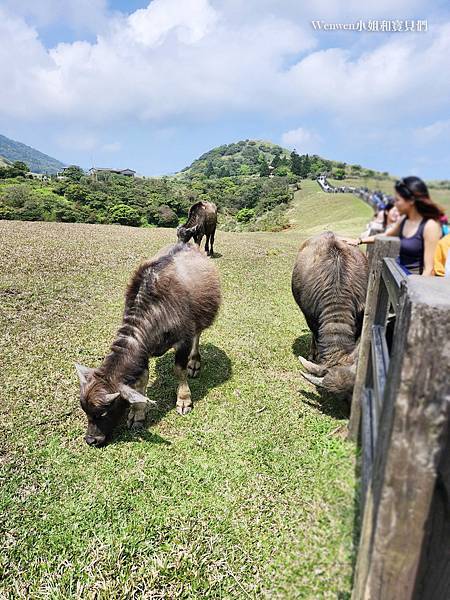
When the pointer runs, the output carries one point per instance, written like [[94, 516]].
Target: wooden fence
[[401, 417]]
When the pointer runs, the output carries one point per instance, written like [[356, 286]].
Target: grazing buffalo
[[170, 300], [329, 284], [202, 220]]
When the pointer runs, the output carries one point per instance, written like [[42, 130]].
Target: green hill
[[240, 158], [261, 157], [38, 162]]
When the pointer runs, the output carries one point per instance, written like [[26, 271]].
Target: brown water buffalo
[[329, 284], [170, 300], [202, 220]]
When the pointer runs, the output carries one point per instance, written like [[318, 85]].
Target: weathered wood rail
[[401, 417]]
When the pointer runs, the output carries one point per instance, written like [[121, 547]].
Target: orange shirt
[[440, 256]]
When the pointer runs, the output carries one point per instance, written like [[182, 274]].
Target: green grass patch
[[249, 496], [314, 211]]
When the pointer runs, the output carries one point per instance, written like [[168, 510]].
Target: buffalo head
[[338, 379], [184, 234], [104, 406]]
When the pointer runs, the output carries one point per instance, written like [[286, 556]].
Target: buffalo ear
[[83, 373], [133, 396]]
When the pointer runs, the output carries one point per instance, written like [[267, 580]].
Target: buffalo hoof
[[193, 368]]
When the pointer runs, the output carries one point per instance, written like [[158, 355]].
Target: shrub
[[6, 212], [60, 187], [17, 169], [124, 215], [32, 210], [282, 171], [338, 173], [245, 215], [16, 195], [163, 216], [274, 220], [73, 172], [66, 212], [76, 193]]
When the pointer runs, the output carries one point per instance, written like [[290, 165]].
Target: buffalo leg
[[138, 413], [207, 244], [211, 247], [198, 240], [184, 401], [194, 363]]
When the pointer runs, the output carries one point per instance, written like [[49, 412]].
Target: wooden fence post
[[412, 437], [384, 246], [433, 578]]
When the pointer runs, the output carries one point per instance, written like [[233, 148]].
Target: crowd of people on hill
[[415, 218], [385, 216], [421, 225]]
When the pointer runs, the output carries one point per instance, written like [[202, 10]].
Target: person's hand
[[351, 241]]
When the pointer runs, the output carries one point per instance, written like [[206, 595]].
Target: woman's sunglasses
[[401, 188]]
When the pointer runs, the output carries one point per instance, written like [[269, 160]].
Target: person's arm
[[431, 237], [394, 230]]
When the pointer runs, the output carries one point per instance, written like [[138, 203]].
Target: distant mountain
[[37, 161]]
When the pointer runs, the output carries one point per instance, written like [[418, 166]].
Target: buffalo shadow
[[300, 346], [327, 403], [215, 370]]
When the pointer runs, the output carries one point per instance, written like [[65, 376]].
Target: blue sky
[[151, 86]]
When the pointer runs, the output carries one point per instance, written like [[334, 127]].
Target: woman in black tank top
[[419, 229], [412, 249]]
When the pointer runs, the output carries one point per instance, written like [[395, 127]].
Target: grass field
[[249, 496]]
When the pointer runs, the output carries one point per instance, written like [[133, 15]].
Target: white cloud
[[198, 60], [191, 20], [159, 62], [304, 140], [385, 84], [438, 131]]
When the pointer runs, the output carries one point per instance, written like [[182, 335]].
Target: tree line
[[140, 202]]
